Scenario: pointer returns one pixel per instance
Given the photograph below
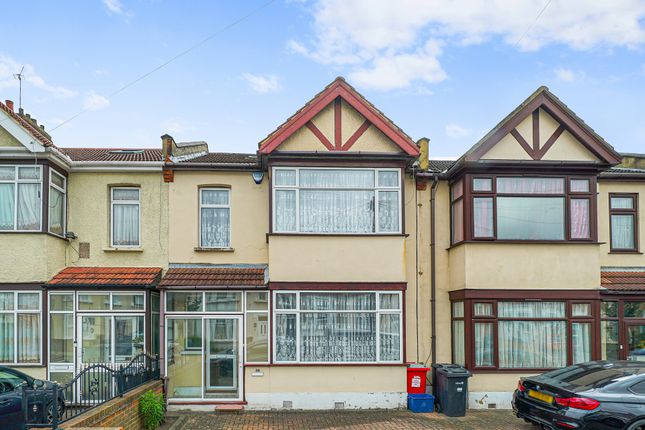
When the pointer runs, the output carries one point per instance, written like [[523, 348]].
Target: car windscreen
[[586, 377], [11, 379]]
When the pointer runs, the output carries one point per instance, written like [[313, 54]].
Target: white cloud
[[101, 72], [9, 66], [115, 7], [364, 36], [456, 131], [94, 101], [262, 84], [565, 75]]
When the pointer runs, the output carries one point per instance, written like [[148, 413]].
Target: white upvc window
[[125, 217], [337, 327], [57, 203], [20, 327], [214, 218], [336, 200], [21, 198]]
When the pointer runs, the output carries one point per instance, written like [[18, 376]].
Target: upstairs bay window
[[336, 201], [57, 206], [524, 208], [20, 198]]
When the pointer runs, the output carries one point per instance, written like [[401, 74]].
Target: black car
[[597, 395], [39, 399]]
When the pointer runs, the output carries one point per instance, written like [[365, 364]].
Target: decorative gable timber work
[[543, 128], [337, 100]]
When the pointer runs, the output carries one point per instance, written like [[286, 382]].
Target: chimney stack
[[423, 153], [9, 104]]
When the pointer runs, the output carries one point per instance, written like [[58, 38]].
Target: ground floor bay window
[[337, 327], [523, 334]]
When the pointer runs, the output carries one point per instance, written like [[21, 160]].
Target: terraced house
[[308, 274]]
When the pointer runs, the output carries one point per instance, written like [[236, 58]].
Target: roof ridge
[[33, 130]]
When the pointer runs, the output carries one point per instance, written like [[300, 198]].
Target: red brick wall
[[122, 412]]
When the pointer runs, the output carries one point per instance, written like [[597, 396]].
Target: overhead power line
[[530, 27], [174, 58]]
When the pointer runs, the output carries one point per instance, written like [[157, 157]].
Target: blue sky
[[447, 70]]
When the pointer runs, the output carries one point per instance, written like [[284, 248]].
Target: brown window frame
[[470, 320], [470, 195], [453, 202], [624, 211]]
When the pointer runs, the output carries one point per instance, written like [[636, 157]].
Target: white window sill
[[122, 249], [198, 249]]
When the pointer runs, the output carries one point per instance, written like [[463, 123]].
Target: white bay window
[[57, 204], [337, 327], [336, 201], [20, 327]]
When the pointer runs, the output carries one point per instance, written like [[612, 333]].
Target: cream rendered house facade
[[309, 274]]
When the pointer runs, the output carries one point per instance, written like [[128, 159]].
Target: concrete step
[[229, 409]]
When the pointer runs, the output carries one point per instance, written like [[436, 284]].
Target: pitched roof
[[623, 172], [107, 277], [339, 88], [439, 166], [223, 158], [543, 98], [113, 154], [623, 280], [214, 277], [35, 131]]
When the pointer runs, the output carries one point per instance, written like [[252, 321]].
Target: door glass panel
[[222, 355], [185, 358], [61, 338], [128, 337], [97, 339], [609, 340], [636, 342]]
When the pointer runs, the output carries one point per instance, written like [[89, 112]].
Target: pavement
[[362, 420]]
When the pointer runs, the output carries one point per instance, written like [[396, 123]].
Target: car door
[[11, 414]]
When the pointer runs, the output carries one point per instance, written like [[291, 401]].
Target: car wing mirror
[[39, 383]]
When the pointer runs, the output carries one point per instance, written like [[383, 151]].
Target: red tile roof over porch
[[107, 276], [627, 281], [214, 277]]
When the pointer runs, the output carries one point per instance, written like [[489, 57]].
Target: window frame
[[15, 312], [470, 319], [633, 212], [376, 188], [567, 195], [15, 181], [129, 202], [216, 206], [49, 200], [298, 311]]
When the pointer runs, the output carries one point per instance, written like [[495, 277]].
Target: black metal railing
[[93, 386]]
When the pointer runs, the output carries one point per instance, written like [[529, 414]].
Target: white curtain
[[336, 211], [216, 227], [6, 338], [530, 185], [56, 213], [530, 309], [28, 206], [458, 343], [338, 302], [285, 210], [285, 341], [7, 207], [336, 178], [338, 337], [532, 344], [581, 342], [483, 216], [126, 224], [388, 211], [484, 344], [390, 337], [28, 338], [580, 219], [622, 231]]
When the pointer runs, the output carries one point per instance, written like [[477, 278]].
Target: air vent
[[287, 404], [339, 405], [84, 250]]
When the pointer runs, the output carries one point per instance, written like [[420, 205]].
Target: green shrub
[[152, 409]]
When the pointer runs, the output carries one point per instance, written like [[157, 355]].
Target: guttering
[[433, 276], [116, 166]]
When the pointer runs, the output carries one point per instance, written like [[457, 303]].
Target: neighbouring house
[[308, 274]]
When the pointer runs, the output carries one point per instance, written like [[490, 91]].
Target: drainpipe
[[433, 276]]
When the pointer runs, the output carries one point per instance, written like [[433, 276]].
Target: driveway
[[373, 420]]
